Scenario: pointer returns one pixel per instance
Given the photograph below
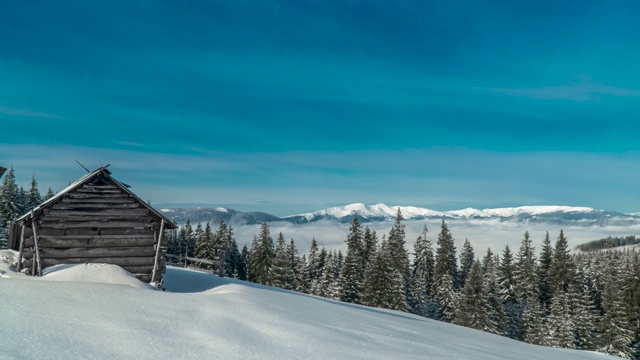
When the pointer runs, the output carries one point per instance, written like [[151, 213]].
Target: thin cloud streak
[[10, 111], [576, 92]]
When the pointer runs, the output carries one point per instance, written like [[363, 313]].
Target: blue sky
[[291, 106]]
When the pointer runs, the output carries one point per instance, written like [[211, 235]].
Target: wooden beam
[[89, 196], [113, 251], [35, 243], [104, 212], [158, 245], [95, 242], [97, 224], [21, 251], [93, 205]]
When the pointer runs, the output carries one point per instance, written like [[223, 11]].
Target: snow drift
[[203, 316]]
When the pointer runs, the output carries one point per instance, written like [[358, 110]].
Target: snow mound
[[95, 273]]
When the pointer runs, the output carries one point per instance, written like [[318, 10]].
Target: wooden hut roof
[[103, 171]]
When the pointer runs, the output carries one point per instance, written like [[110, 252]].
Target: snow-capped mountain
[[381, 212]]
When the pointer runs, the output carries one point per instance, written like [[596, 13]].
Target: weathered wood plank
[[104, 212], [89, 196], [63, 253], [92, 186], [98, 218], [96, 224], [102, 205], [92, 231], [97, 243], [97, 191], [99, 199], [120, 261]]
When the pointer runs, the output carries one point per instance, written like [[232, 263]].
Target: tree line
[[580, 301], [608, 242], [15, 201]]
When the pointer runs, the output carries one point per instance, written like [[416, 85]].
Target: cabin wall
[[96, 223]]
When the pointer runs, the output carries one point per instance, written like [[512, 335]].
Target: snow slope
[[203, 316]]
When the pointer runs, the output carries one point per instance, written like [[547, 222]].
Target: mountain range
[[563, 215]]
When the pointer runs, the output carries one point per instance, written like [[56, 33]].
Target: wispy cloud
[[129, 143], [5, 110], [586, 91]]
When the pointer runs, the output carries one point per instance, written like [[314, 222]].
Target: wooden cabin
[[94, 220]]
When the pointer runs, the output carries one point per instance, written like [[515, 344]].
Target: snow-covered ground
[[201, 316]]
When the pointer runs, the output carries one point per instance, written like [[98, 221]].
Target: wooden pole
[[221, 262], [35, 240], [155, 264], [20, 253]]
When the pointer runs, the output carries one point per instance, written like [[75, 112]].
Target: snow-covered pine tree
[[292, 254], [506, 281], [422, 274], [327, 286], [261, 256], [473, 309], [445, 259], [313, 262], [281, 270], [352, 274], [467, 258], [584, 318], [526, 272], [370, 243], [189, 240], [8, 205], [49, 194], [33, 195], [302, 275], [204, 244], [546, 257], [532, 326], [560, 327], [397, 250], [492, 290], [613, 336], [561, 272]]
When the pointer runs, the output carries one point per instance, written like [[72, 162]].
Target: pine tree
[[261, 256], [546, 257], [467, 257], [49, 194], [506, 278], [560, 324], [303, 284], [583, 316], [370, 243], [526, 272], [313, 266], [492, 291], [532, 325], [561, 272], [397, 250], [614, 336], [422, 274], [327, 285], [473, 309], [33, 196], [445, 260], [204, 244], [245, 262], [281, 270], [352, 272], [9, 193], [189, 240]]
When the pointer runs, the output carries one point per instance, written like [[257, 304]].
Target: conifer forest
[[538, 293]]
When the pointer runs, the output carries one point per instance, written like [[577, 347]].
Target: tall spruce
[[561, 272], [473, 309], [445, 259], [33, 195], [9, 193], [467, 258], [282, 272], [261, 256], [546, 257], [526, 272], [423, 263], [352, 273]]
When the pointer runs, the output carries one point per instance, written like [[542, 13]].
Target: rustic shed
[[94, 220]]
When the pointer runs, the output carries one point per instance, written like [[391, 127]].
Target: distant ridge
[[563, 215]]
